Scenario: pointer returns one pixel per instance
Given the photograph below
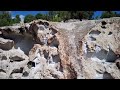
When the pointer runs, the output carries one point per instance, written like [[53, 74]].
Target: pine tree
[[18, 19], [108, 14], [29, 18], [39, 16]]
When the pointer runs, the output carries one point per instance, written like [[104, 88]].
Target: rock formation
[[88, 49]]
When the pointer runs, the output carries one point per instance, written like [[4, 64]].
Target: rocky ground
[[88, 49]]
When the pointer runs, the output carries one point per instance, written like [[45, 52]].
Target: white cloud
[[22, 17], [13, 17]]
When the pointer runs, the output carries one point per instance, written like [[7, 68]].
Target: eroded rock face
[[11, 62], [102, 45], [94, 51], [47, 62], [88, 49], [6, 44]]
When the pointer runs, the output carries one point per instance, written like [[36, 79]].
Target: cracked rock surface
[[88, 49]]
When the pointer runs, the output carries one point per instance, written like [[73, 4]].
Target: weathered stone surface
[[44, 62], [13, 59], [88, 49], [102, 45], [6, 44], [3, 75]]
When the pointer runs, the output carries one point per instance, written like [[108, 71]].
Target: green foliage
[[42, 16], [5, 19], [4, 22], [39, 16], [57, 16], [85, 14], [51, 15], [65, 15], [46, 17], [17, 19], [13, 21], [96, 17], [29, 18], [108, 14]]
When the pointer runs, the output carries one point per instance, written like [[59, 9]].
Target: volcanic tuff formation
[[88, 49]]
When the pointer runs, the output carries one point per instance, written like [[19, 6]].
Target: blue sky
[[24, 13], [98, 13]]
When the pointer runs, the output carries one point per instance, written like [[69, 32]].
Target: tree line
[[60, 15], [6, 19]]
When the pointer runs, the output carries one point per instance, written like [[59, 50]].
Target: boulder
[[6, 44]]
